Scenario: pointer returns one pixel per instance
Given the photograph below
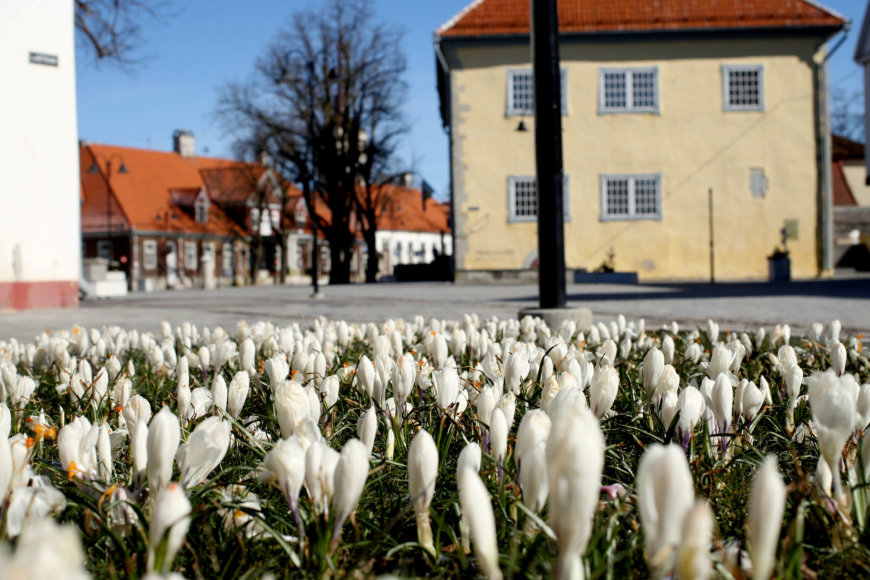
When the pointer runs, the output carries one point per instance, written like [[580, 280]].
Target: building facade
[[39, 250], [660, 108]]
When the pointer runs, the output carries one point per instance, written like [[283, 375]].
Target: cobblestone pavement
[[733, 305]]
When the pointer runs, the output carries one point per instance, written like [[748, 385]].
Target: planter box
[[583, 277], [779, 269]]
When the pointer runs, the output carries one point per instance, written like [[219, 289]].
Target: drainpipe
[[442, 62], [826, 217]]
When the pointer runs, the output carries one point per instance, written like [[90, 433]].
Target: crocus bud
[[5, 467], [603, 389], [534, 428], [668, 349], [219, 392], [164, 435], [753, 400], [169, 523], [476, 506], [403, 376], [329, 390], [838, 357], [204, 450], [833, 408], [691, 405], [533, 477], [320, 463], [516, 370], [237, 393], [793, 376], [693, 559], [350, 479], [575, 460], [723, 400], [766, 505], [367, 428], [665, 493], [291, 406], [365, 376], [447, 386], [247, 351], [422, 472], [104, 453], [284, 466], [653, 364], [862, 409]]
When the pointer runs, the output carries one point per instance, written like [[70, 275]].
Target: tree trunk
[[282, 275], [372, 265]]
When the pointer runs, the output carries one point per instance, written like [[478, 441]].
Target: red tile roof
[[403, 208], [141, 197], [842, 192], [511, 17]]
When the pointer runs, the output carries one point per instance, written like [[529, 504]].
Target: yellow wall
[[692, 142], [855, 173]]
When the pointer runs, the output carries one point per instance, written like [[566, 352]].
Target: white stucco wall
[[40, 232], [404, 247]]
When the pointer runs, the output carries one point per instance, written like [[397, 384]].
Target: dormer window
[[200, 208]]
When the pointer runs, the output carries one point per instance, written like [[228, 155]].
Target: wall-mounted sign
[[42, 58]]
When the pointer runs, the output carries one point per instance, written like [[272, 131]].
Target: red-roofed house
[[662, 102], [176, 219]]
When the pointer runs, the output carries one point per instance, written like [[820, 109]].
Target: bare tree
[[111, 30], [847, 114], [326, 99]]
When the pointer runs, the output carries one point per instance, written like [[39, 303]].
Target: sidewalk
[[734, 305]]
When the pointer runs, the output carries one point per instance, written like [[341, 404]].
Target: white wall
[[40, 236], [408, 245]]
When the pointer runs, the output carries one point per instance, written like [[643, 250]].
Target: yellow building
[[660, 106]]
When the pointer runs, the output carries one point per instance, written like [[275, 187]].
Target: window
[[633, 90], [523, 199], [631, 197], [104, 250], [227, 259], [201, 209], [743, 87], [149, 254], [521, 92], [190, 255]]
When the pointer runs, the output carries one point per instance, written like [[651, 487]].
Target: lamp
[[521, 127]]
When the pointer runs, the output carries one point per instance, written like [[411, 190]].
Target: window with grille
[[628, 90], [631, 197], [149, 254], [523, 198], [743, 88], [521, 92], [227, 259], [190, 255]]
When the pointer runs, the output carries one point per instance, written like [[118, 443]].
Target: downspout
[[442, 63], [824, 103]]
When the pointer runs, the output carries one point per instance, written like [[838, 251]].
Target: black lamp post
[[548, 153]]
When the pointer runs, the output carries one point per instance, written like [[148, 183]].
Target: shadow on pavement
[[845, 288]]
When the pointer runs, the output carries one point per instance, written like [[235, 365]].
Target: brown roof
[[403, 208], [511, 17], [842, 192], [843, 148], [233, 184], [141, 198]]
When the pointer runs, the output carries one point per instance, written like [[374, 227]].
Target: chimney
[[184, 143], [408, 179]]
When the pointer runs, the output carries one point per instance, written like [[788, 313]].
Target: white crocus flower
[[691, 406], [575, 460], [665, 493], [603, 389], [219, 393], [164, 436], [320, 463], [693, 557], [422, 472], [476, 505], [833, 404], [237, 393], [169, 524], [367, 428], [766, 505], [350, 479], [204, 450], [653, 365], [46, 550], [291, 406], [365, 376], [284, 466]]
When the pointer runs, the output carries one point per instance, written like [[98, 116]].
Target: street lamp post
[[315, 256]]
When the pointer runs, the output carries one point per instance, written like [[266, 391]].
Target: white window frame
[[727, 69], [227, 259], [149, 254], [514, 180], [604, 109], [190, 256], [632, 199], [514, 111]]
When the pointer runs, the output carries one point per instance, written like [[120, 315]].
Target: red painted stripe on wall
[[49, 294]]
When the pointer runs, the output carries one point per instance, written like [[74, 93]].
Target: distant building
[[174, 219], [39, 247], [851, 205], [661, 103]]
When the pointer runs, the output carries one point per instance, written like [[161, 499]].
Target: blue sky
[[208, 43]]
